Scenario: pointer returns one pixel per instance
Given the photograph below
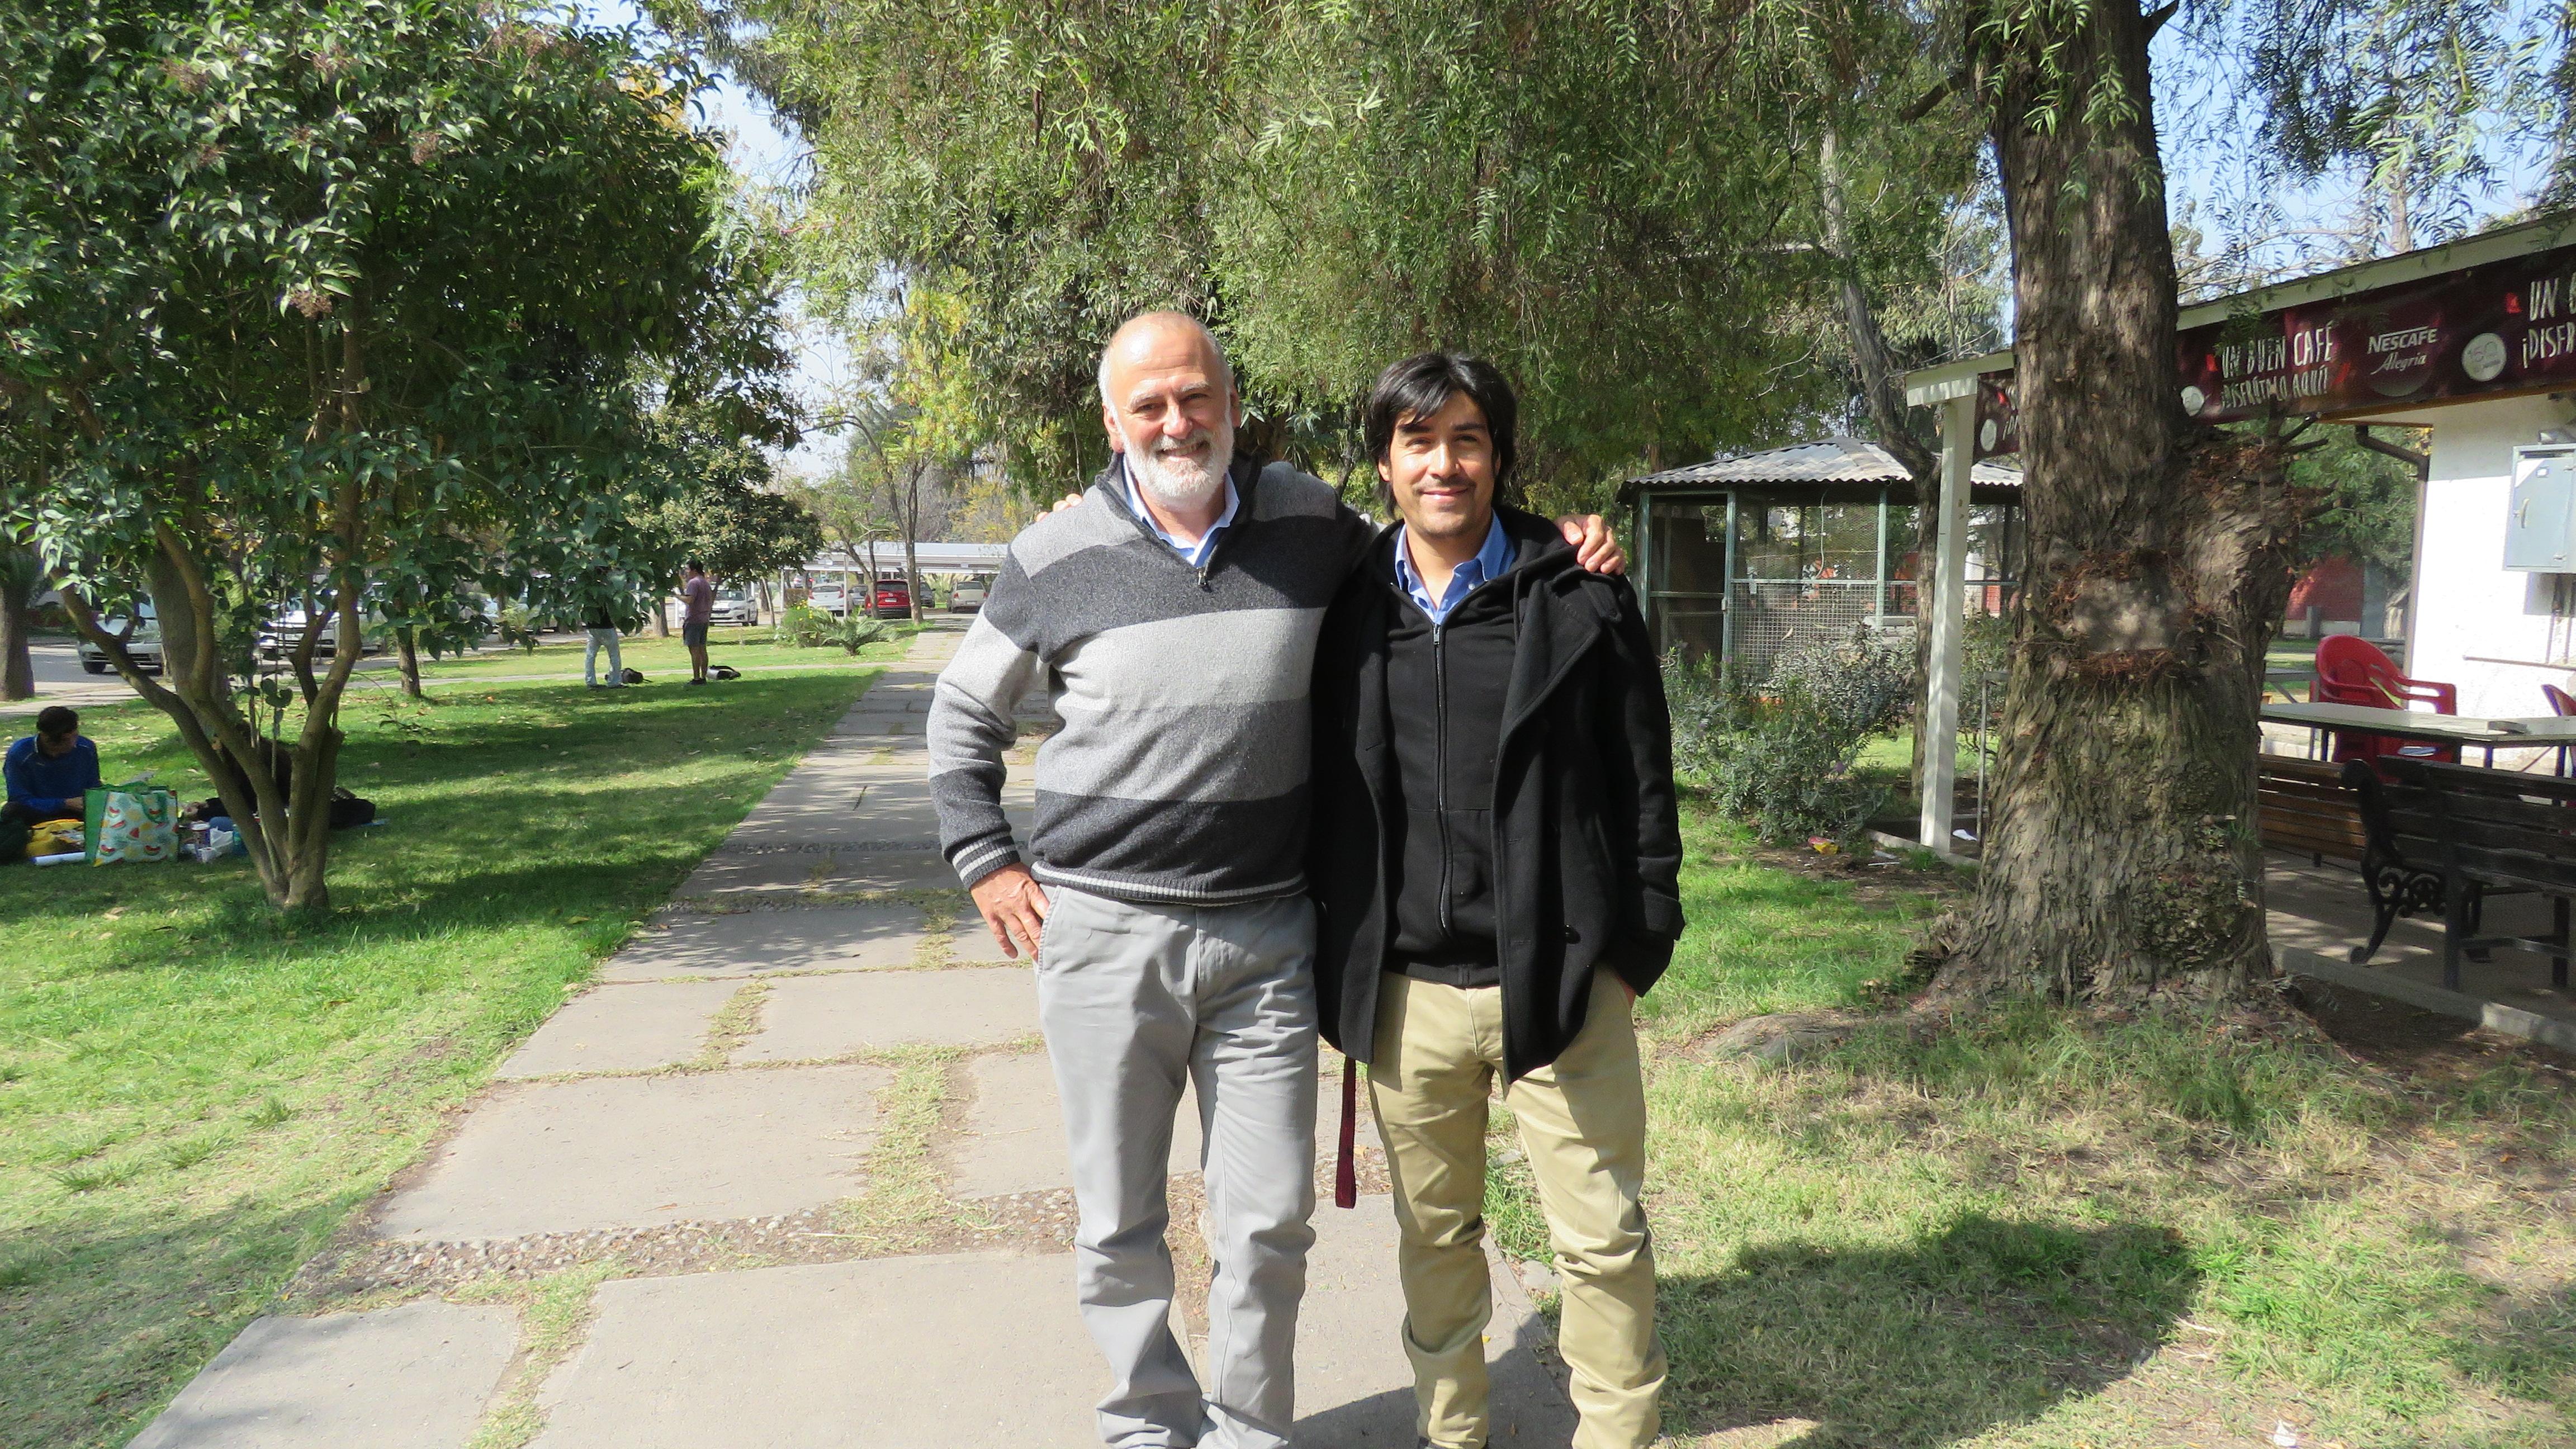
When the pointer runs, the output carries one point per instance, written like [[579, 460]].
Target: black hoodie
[[1584, 838]]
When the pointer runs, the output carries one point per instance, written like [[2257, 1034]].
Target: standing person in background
[[600, 623], [697, 606], [1495, 859], [51, 772]]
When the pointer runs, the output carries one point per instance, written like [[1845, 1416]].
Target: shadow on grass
[[89, 1345], [1989, 1324]]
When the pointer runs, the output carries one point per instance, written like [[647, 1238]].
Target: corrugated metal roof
[[1828, 460]]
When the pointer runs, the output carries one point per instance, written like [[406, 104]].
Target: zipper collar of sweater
[[1118, 490]]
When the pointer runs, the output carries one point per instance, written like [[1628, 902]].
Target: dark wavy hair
[[1417, 387]]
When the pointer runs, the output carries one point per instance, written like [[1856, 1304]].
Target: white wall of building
[[2478, 624]]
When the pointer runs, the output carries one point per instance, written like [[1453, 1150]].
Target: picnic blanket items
[[131, 823], [53, 837]]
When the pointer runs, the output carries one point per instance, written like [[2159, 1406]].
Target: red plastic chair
[[2352, 670]]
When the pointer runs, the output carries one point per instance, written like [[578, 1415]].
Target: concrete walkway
[[789, 1174]]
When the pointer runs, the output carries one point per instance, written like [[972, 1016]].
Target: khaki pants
[[1583, 1124]]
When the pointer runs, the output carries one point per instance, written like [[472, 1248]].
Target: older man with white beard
[[1173, 621]]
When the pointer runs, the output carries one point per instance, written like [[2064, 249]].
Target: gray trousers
[[603, 639], [1133, 998]]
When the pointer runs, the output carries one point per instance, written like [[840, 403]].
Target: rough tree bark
[[2123, 858], [407, 653], [17, 596]]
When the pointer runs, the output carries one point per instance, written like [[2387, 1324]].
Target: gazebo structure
[[1741, 557]]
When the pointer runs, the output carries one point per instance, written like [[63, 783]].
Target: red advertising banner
[[2497, 327]]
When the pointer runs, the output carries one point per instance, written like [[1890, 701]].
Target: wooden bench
[[2304, 807], [2470, 833]]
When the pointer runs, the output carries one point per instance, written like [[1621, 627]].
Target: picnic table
[[2541, 732]]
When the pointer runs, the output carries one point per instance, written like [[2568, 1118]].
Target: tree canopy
[[1621, 204]]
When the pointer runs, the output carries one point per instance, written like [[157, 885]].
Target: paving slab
[[807, 1017], [1354, 1385], [628, 1028], [615, 1152], [789, 938], [976, 1351], [904, 866], [1014, 1138], [414, 1377]]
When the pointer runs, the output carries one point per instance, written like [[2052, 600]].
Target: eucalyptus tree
[[360, 301], [1052, 163]]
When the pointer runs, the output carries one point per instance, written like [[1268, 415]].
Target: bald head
[[1167, 402], [1151, 340]]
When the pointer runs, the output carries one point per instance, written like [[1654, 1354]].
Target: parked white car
[[968, 596], [831, 600], [734, 608]]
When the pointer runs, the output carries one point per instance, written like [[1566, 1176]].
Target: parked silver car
[[144, 644], [968, 596], [285, 634]]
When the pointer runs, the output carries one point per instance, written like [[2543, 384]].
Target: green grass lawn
[[2036, 1227], [194, 1093]]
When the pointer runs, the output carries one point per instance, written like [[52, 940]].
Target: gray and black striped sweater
[[1180, 774]]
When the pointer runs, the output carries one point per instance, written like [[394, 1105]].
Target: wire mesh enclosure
[[1747, 558]]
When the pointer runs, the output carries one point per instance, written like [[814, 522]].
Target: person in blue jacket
[[51, 772]]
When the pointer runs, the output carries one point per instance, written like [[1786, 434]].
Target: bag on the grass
[[723, 671], [131, 823], [348, 810], [633, 676], [53, 837]]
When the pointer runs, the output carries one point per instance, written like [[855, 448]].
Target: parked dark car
[[892, 599]]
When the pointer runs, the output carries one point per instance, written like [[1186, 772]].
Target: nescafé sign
[[2497, 327]]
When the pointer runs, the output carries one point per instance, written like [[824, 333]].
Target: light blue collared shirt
[[1489, 563], [1197, 554]]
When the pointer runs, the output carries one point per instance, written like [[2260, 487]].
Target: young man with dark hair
[[1495, 859], [51, 772], [697, 607]]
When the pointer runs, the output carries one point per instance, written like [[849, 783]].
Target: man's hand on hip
[[1013, 905], [1595, 546]]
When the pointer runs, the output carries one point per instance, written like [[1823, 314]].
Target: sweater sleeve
[[21, 790], [972, 721], [1639, 749]]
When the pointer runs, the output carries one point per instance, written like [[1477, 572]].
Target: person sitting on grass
[[51, 772]]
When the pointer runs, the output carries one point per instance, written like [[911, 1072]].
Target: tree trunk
[[911, 542], [17, 666], [2122, 857], [1882, 389], [407, 651]]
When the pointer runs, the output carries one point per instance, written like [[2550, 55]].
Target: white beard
[[1179, 482]]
